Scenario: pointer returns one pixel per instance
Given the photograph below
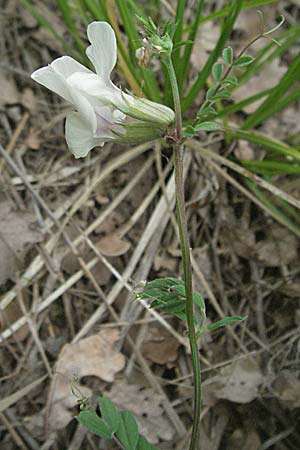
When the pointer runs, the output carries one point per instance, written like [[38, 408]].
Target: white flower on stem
[[103, 113]]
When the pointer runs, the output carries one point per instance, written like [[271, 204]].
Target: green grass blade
[[270, 104], [181, 4], [283, 103], [225, 33], [224, 11], [48, 27], [66, 11], [274, 211], [235, 107], [83, 12], [266, 142], [97, 10], [271, 167], [128, 18], [185, 62]]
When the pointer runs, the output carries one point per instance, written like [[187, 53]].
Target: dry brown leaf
[[70, 263], [165, 263], [17, 230], [9, 92], [28, 99], [94, 355], [280, 247], [287, 389], [113, 245], [237, 382], [33, 139], [244, 439], [160, 346], [244, 150], [240, 239], [145, 404]]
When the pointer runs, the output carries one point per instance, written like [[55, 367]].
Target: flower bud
[[147, 111]]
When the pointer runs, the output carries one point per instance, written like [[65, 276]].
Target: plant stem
[[185, 250]]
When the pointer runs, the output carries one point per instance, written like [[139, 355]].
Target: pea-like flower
[[103, 113]]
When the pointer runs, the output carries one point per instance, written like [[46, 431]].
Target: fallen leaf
[[145, 404], [28, 99], [244, 151], [113, 245], [9, 91], [70, 263], [17, 230], [237, 382], [33, 139], [240, 239], [280, 248], [160, 346], [92, 356], [287, 389], [244, 439]]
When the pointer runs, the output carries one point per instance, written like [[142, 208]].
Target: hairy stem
[[185, 250]]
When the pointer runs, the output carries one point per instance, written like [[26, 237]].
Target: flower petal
[[108, 122], [80, 138], [47, 77], [66, 66], [103, 51], [81, 102], [92, 86]]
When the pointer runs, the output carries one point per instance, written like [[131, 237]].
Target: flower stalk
[[178, 152]]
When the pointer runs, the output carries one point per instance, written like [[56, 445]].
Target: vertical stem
[[185, 250]]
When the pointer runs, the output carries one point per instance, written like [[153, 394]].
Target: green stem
[[186, 259]]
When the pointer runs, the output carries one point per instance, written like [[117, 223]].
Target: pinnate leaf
[[244, 61], [143, 444], [109, 413], [217, 71], [227, 55], [210, 92], [205, 110], [93, 423], [207, 126], [127, 432], [188, 132], [230, 80], [225, 321], [220, 96]]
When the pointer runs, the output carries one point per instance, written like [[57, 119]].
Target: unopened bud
[[147, 111], [144, 56]]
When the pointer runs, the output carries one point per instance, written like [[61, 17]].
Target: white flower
[[102, 109]]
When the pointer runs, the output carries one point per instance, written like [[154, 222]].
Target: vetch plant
[[104, 113]]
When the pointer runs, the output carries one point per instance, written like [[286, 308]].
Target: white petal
[[98, 93], [91, 85], [103, 51], [79, 137], [80, 100], [108, 123], [47, 77], [66, 66]]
